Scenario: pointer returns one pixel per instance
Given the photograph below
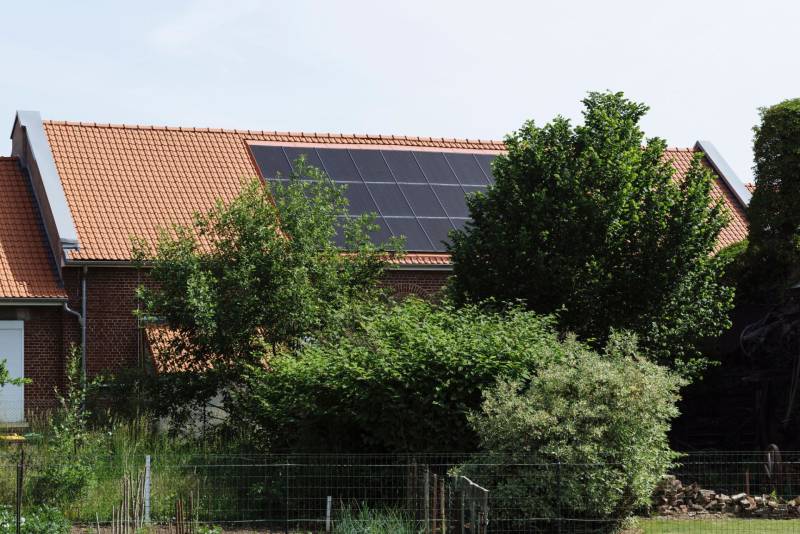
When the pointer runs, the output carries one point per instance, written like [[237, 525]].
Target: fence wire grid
[[430, 494]]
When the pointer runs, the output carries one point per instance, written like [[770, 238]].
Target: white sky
[[456, 68]]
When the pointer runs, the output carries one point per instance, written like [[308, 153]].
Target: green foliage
[[5, 378], [256, 275], [42, 520], [734, 262], [401, 378], [363, 520], [589, 222], [70, 475], [774, 251], [604, 416]]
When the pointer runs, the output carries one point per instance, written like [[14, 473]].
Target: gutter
[[99, 263], [81, 316], [131, 265], [40, 301]]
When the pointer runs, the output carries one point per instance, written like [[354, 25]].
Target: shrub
[[43, 520], [61, 481], [604, 417], [400, 379], [66, 476]]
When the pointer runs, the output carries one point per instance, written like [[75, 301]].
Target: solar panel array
[[420, 195]]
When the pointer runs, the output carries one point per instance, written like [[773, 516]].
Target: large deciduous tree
[[255, 276], [773, 254], [590, 222]]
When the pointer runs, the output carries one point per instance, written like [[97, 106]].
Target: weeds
[[362, 520]]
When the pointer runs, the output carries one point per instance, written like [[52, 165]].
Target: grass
[[112, 453], [718, 526], [362, 520]]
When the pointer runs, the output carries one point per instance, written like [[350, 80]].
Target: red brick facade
[[112, 330], [421, 283], [114, 339]]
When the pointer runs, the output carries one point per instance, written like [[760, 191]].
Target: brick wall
[[113, 337], [44, 355], [427, 284], [112, 330]]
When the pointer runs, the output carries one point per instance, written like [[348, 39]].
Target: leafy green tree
[[774, 244], [401, 378], [257, 275], [589, 222]]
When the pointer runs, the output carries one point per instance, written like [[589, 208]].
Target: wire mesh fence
[[431, 494]]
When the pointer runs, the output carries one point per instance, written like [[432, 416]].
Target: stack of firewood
[[672, 497]]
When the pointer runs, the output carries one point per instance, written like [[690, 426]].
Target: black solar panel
[[416, 194], [435, 166], [467, 169], [437, 230]]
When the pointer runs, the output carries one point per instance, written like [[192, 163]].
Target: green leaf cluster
[[40, 520], [603, 417], [256, 275], [61, 482], [401, 378], [591, 223], [773, 254], [5, 377]]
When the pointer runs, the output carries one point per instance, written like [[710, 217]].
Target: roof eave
[[32, 301], [422, 267]]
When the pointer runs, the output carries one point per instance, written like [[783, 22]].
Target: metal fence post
[[558, 495], [286, 525], [426, 490], [147, 488], [328, 507]]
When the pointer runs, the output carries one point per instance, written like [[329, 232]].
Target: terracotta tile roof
[[425, 258], [124, 181], [737, 227], [26, 265]]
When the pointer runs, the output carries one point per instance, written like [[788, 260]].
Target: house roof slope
[[27, 269], [124, 181], [736, 230]]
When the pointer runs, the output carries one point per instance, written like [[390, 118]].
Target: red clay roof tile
[[26, 265]]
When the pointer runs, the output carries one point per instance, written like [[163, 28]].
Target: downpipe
[[81, 316]]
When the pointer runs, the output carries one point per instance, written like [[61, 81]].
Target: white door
[[12, 398]]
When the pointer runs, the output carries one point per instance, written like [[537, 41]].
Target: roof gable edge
[[725, 171], [31, 146]]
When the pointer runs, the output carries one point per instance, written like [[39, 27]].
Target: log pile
[[673, 498]]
